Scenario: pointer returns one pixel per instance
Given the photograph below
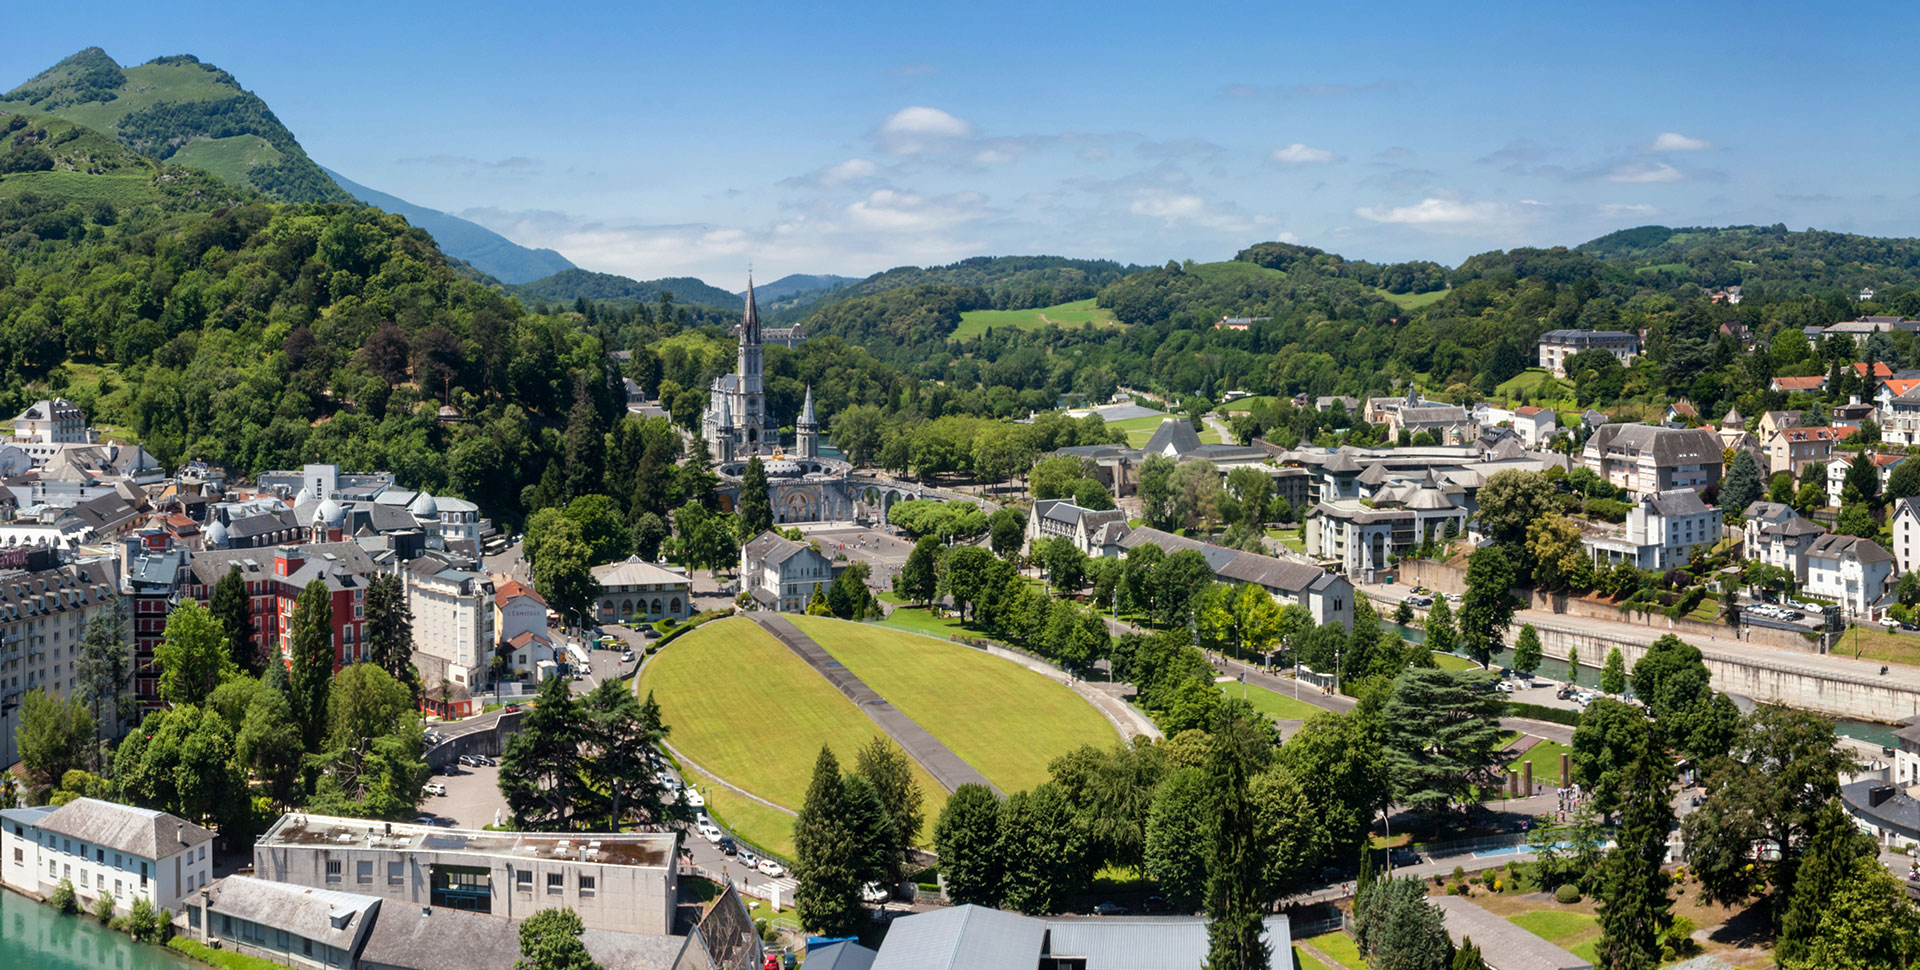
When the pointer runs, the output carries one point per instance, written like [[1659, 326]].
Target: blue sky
[[692, 139]]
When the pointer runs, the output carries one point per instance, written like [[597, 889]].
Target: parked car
[[1504, 687], [423, 820], [626, 656], [434, 788], [749, 859], [771, 868], [1110, 908], [485, 761], [1403, 856], [468, 760], [728, 846], [1156, 904], [710, 832], [873, 893], [694, 798], [443, 821]]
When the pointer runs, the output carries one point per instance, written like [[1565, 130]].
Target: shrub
[[103, 908], [1567, 894], [62, 897], [1459, 873], [142, 922]]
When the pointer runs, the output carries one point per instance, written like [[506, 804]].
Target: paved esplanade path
[[946, 767]]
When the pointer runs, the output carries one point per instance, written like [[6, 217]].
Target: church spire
[[806, 409], [750, 321]]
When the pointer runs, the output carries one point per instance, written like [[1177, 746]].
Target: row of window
[[363, 872], [556, 883]]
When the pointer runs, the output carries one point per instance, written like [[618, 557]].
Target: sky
[[700, 138]]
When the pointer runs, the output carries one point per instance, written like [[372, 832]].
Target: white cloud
[[1301, 154], [1620, 210], [1173, 208], [1673, 141], [1641, 172], [848, 171], [993, 156], [918, 129], [1433, 210], [885, 210]]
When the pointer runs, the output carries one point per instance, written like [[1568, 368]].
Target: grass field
[[1448, 661], [1271, 703], [974, 323], [746, 708], [1004, 720], [1139, 430], [1301, 961], [147, 85], [1532, 381], [228, 158], [1341, 947], [121, 190], [1545, 758], [765, 827], [1412, 301], [1578, 932], [1891, 648], [1245, 404], [920, 620]]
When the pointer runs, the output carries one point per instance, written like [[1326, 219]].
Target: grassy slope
[[1412, 301], [973, 323], [228, 158], [746, 708], [118, 190], [146, 86], [1234, 271], [1578, 932], [1545, 757], [1139, 430], [1006, 721]]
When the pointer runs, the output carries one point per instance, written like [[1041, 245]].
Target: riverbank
[[35, 936]]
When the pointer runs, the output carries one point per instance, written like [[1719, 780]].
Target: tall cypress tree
[[756, 508], [1827, 866], [232, 607], [585, 443], [389, 627], [311, 677], [1235, 899], [1634, 905], [828, 899]]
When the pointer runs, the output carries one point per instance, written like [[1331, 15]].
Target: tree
[[1178, 840], [1613, 676], [1342, 767], [1056, 476], [310, 679], [1090, 494], [1573, 664], [1856, 519], [888, 770], [540, 768], [1443, 735], [550, 940], [1398, 929], [1862, 484], [1743, 485], [842, 838], [55, 736], [1835, 848], [649, 532], [233, 608], [181, 760], [1904, 482], [1487, 608], [1511, 501], [389, 630], [620, 736], [563, 572], [1553, 543], [1006, 529], [1610, 736], [105, 669], [1764, 797], [268, 744], [1178, 581], [918, 579], [193, 657], [1441, 637], [600, 527], [817, 603], [1066, 565], [756, 507], [1526, 650], [1866, 924], [963, 575], [849, 598], [1236, 897], [585, 445], [1634, 905], [1672, 680], [1043, 847], [967, 837], [1156, 491]]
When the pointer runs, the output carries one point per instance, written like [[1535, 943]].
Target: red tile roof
[[512, 588], [1799, 383], [1880, 370]]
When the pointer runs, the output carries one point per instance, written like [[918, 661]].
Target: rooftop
[[643, 849], [140, 831], [634, 571]]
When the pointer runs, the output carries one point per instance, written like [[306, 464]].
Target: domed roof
[[331, 513], [217, 535], [303, 496], [424, 506]]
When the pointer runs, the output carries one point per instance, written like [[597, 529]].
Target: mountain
[[569, 285], [480, 247], [179, 110], [59, 160], [797, 283]]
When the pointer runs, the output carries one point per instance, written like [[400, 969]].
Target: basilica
[[737, 424]]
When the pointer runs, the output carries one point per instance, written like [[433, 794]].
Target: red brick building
[[274, 579]]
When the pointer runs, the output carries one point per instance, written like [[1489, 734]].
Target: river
[[1872, 732], [35, 937]]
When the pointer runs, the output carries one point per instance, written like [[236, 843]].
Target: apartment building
[[782, 574], [1662, 532], [1557, 345], [1792, 449], [453, 617], [44, 611], [1778, 536], [1645, 459], [1093, 532], [1849, 570]]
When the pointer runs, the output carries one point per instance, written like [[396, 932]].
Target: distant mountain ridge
[[480, 247], [569, 285], [795, 283]]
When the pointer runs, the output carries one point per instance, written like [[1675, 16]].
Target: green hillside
[[569, 285], [180, 110], [973, 323], [57, 158]]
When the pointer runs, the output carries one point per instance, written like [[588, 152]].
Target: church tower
[[752, 394], [806, 434]]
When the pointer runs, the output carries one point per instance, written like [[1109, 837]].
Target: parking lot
[[472, 799]]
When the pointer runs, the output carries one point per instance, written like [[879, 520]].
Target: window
[[363, 872], [306, 947], [118, 890], [586, 885], [333, 870], [396, 873], [100, 856], [523, 881], [19, 856], [555, 883], [83, 879]]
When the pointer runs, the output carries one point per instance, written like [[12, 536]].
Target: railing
[[1302, 929]]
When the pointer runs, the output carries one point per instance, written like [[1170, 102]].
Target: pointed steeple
[[750, 321], [806, 409]]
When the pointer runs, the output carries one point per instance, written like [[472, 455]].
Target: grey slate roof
[[962, 938], [124, 828], [1670, 446], [1173, 432], [1237, 566], [772, 547], [1839, 546], [1900, 813], [300, 910], [1679, 501], [841, 956]]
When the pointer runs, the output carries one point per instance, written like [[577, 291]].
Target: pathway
[[946, 767]]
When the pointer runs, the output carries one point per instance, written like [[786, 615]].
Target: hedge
[[1538, 712], [688, 626], [225, 959]]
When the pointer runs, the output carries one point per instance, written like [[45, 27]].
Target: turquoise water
[[35, 937], [1871, 732]]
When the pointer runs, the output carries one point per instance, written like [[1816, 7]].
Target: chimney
[[180, 831], [1878, 795]]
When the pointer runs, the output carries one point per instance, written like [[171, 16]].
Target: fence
[[1302, 929]]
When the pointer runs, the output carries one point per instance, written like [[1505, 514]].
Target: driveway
[[472, 798]]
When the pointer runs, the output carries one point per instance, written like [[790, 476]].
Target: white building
[[1778, 536], [55, 422], [782, 574], [1363, 539], [44, 611], [1328, 596], [1093, 532], [520, 621], [1536, 425], [105, 848], [1557, 345], [637, 591], [1644, 458], [1661, 532], [310, 929], [1837, 467], [1850, 571], [452, 618], [1906, 533]]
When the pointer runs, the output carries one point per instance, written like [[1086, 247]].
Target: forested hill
[[1765, 260], [568, 286], [1006, 282], [179, 110], [474, 244]]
